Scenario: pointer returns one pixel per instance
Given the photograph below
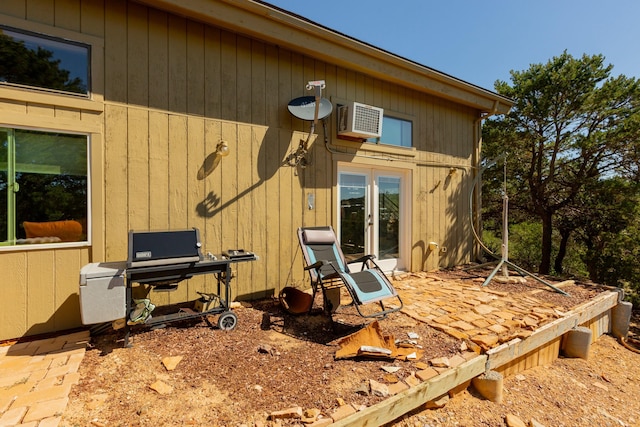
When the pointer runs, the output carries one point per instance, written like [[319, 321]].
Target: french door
[[372, 215]]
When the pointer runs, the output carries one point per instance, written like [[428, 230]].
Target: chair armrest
[[316, 265]]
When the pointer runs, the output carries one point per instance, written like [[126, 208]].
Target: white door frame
[[372, 173]]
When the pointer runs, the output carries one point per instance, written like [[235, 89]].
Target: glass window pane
[[33, 60], [395, 132], [43, 186]]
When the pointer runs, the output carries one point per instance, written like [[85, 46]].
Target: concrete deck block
[[620, 319], [576, 342], [489, 385]]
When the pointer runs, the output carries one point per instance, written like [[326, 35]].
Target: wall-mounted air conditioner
[[358, 120]]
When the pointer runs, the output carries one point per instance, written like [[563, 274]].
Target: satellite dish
[[305, 108]]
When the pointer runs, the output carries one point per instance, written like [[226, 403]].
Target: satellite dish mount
[[308, 108]]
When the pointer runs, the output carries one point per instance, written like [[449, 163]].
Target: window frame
[[93, 102], [13, 246], [57, 39]]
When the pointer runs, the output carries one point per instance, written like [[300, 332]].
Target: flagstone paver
[[466, 311], [36, 378]]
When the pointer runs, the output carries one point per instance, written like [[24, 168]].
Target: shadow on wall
[[67, 316], [212, 204], [425, 252]]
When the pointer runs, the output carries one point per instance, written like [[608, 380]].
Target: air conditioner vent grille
[[360, 120], [366, 119]]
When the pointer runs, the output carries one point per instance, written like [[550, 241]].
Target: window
[[395, 132], [43, 187], [30, 59]]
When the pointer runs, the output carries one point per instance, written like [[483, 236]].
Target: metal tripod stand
[[503, 262]]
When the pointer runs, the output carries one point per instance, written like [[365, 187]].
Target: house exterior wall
[[165, 91]]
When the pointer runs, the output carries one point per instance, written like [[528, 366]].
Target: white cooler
[[102, 292]]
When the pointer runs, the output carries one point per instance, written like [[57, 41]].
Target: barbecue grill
[[159, 260]]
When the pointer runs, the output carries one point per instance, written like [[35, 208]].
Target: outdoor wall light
[[222, 149], [213, 160]]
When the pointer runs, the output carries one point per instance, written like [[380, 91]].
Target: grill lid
[[148, 248]]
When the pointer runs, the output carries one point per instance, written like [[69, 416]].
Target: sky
[[482, 41]]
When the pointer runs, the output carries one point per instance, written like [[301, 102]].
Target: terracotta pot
[[295, 301]]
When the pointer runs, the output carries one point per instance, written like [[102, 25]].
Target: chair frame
[[340, 274]]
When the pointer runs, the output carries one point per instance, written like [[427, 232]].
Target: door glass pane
[[352, 189], [388, 217]]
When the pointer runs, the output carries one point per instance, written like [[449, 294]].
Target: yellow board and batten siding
[[167, 90]]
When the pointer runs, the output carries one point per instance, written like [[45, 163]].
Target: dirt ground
[[275, 361]]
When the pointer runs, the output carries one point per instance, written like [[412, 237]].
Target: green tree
[[572, 125], [606, 223]]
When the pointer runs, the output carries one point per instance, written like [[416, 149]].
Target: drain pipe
[[475, 190]]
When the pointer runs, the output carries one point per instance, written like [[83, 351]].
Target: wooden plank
[[296, 177], [195, 69], [138, 187], [11, 107], [229, 188], [116, 224], [212, 68], [209, 207], [228, 77], [286, 251], [67, 14], [260, 207], [44, 111], [195, 189], [512, 350], [596, 306], [246, 211], [158, 171], [42, 11], [13, 322], [402, 403], [158, 75], [90, 123], [96, 222], [178, 185], [92, 21], [16, 101], [14, 8], [177, 47], [271, 159], [137, 55], [40, 290], [66, 314], [115, 56], [243, 80]]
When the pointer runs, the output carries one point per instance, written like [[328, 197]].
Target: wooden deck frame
[[542, 347]]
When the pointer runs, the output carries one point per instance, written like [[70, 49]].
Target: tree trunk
[[545, 261], [562, 251]]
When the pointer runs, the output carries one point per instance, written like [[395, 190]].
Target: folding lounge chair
[[327, 265]]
